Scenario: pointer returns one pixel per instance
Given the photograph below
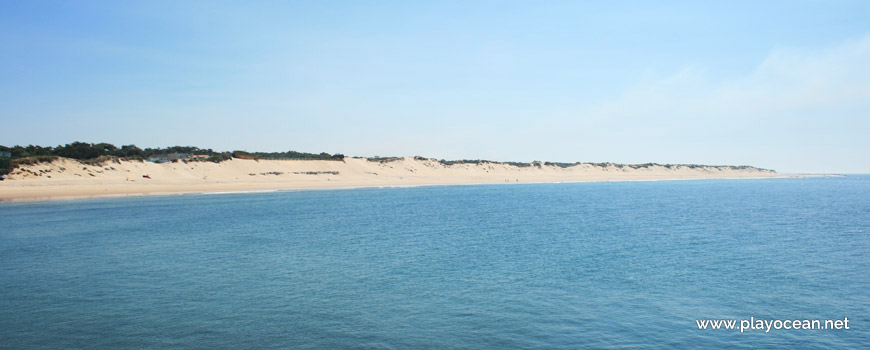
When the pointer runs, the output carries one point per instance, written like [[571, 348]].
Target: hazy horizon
[[779, 85]]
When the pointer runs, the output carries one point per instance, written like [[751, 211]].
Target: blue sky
[[782, 85]]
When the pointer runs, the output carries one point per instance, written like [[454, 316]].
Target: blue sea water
[[563, 266]]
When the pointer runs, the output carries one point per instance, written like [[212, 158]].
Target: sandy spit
[[67, 178]]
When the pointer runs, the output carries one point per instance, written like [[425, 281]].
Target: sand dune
[[66, 178]]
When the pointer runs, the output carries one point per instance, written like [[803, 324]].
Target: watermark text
[[768, 325]]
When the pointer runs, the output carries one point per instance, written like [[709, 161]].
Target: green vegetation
[[385, 159], [86, 151], [601, 165], [99, 153], [289, 155], [31, 160], [5, 167], [480, 161], [219, 157], [561, 165], [464, 161]]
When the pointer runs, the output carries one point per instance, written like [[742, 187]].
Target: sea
[[610, 265]]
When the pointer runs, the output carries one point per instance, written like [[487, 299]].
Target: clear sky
[[782, 85]]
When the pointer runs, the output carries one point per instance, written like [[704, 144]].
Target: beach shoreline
[[57, 180]]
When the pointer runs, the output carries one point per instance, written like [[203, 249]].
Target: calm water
[[594, 265]]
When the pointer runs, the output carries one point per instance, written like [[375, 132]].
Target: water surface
[[594, 265]]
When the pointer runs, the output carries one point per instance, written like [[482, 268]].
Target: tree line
[[84, 151]]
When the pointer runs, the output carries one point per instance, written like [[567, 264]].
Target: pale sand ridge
[[66, 178]]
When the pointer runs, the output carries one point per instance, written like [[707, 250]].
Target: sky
[[783, 85]]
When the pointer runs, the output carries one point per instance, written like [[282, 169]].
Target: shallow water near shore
[[571, 265]]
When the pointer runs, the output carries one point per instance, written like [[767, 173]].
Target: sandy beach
[[66, 178]]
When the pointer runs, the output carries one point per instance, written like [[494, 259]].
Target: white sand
[[68, 178]]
